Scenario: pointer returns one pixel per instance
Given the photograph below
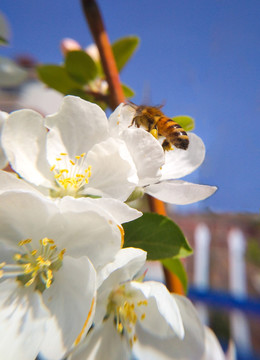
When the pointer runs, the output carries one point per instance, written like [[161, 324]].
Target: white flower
[[75, 157], [3, 158], [49, 254], [139, 318], [164, 171]]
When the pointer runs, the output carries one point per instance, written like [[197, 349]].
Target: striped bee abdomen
[[173, 132]]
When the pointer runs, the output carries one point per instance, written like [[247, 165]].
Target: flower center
[[70, 176], [34, 266], [124, 309]]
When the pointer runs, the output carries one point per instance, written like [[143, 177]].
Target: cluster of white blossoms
[[67, 286]]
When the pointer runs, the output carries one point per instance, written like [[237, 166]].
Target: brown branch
[[97, 28]]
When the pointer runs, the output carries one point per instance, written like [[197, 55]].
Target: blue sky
[[200, 58]]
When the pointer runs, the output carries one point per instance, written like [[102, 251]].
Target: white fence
[[236, 244]]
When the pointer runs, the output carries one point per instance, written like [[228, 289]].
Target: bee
[[158, 124]]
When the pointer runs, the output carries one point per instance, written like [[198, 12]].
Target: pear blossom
[[49, 254], [165, 183], [68, 44], [69, 152], [134, 317], [3, 158]]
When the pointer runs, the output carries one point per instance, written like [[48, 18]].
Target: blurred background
[[199, 58]]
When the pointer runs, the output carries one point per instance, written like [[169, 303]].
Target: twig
[[97, 28]]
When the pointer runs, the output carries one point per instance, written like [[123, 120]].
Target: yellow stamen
[[23, 242], [120, 327], [34, 266], [142, 302], [73, 176], [61, 254], [17, 257]]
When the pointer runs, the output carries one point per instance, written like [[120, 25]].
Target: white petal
[[112, 168], [147, 154], [79, 229], [180, 192], [213, 349], [120, 119], [128, 262], [113, 209], [231, 353], [120, 212], [102, 343], [25, 215], [76, 128], [193, 343], [179, 163], [24, 142], [85, 232], [10, 181], [70, 300], [191, 347], [162, 315], [23, 318], [3, 158]]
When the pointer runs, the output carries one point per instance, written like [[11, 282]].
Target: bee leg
[[167, 145], [134, 121]]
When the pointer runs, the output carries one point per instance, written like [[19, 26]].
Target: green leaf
[[4, 30], [124, 49], [57, 78], [128, 92], [158, 235], [185, 121], [3, 41], [177, 268], [80, 66]]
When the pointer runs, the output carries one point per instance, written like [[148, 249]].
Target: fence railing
[[236, 299]]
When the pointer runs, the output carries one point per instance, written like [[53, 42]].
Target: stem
[[97, 28]]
